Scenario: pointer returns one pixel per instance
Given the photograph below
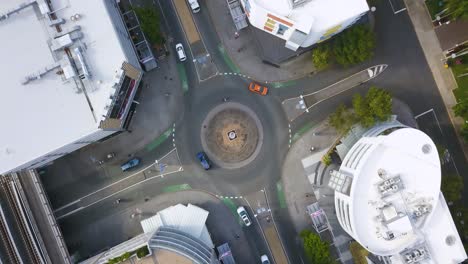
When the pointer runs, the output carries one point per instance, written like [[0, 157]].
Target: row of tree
[[352, 46], [375, 106]]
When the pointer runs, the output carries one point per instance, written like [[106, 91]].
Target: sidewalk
[[434, 56], [242, 53], [299, 191]]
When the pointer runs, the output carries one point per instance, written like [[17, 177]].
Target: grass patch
[[176, 188], [159, 140], [459, 69], [435, 7], [281, 196], [228, 60], [183, 77]]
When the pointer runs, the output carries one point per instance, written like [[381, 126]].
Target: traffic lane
[[409, 76], [81, 178], [285, 227], [210, 37], [177, 35], [246, 242]]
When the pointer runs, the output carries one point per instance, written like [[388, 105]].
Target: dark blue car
[[130, 164], [204, 161]]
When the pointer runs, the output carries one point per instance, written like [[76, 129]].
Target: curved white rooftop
[[388, 198], [400, 153]]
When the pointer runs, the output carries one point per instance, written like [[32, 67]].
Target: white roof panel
[[46, 114]]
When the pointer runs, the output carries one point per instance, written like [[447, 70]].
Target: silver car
[[244, 216]]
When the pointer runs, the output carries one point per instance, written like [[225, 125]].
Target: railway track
[[21, 221], [7, 241]]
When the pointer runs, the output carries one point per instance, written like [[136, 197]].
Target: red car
[[257, 88]]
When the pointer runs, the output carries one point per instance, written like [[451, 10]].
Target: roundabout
[[232, 135]]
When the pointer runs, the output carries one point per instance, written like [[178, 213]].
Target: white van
[[194, 5], [180, 52]]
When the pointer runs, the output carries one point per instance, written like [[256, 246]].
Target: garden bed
[[435, 7], [459, 69]]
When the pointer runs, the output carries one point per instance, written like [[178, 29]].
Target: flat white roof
[[321, 14], [46, 114], [397, 154]]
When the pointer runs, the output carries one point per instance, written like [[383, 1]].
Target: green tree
[[150, 24], [452, 186], [358, 252], [317, 251], [321, 57], [375, 106], [342, 119], [380, 103], [461, 109], [362, 111], [458, 8], [326, 159], [464, 132], [354, 45]]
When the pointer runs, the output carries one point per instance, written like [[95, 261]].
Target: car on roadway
[[194, 5], [203, 159], [244, 215], [130, 164], [264, 259], [257, 88], [180, 52]]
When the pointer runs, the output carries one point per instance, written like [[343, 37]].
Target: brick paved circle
[[231, 135]]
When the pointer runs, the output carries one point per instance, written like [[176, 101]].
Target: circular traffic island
[[232, 135]]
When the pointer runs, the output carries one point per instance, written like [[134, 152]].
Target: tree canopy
[[342, 119], [354, 45], [461, 109], [375, 106], [321, 57], [458, 8], [317, 251], [150, 24], [452, 186]]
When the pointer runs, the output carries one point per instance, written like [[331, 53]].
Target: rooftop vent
[[426, 148]]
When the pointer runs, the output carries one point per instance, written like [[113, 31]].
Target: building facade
[[302, 23], [388, 198]]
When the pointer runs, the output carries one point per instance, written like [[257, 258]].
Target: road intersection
[[241, 186]]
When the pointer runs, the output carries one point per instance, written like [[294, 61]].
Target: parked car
[[180, 52], [130, 164], [204, 161], [264, 259], [194, 5], [257, 88], [244, 216]]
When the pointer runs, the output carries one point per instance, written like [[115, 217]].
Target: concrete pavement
[[305, 181], [242, 55], [434, 55]]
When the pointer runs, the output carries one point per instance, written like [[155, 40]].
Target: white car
[[194, 5], [264, 259], [180, 52], [244, 216]]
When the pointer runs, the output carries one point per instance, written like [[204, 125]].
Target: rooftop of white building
[[396, 199], [316, 14], [47, 113]]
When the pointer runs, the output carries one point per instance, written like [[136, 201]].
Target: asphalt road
[[407, 77]]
